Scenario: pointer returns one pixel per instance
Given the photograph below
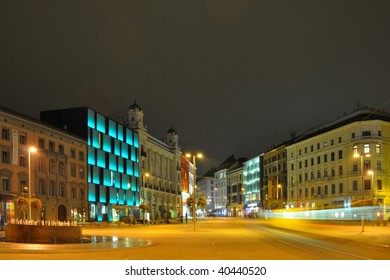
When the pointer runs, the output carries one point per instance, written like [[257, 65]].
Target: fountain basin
[[42, 234]]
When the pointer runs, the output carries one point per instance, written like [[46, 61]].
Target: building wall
[[58, 169], [252, 178], [235, 192], [220, 181], [206, 189]]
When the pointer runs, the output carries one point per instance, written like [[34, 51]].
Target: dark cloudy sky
[[232, 77]]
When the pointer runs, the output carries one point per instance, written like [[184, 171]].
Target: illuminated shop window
[[112, 129], [100, 123], [91, 119]]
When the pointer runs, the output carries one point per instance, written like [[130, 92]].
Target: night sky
[[232, 77]]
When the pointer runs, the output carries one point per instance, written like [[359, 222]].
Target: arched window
[[52, 189], [41, 187], [61, 190]]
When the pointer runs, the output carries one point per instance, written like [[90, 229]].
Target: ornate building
[[42, 165], [345, 163], [160, 168]]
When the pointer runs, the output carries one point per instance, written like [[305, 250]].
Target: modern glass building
[[112, 158], [251, 178]]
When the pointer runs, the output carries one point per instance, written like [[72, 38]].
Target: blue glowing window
[[101, 123], [117, 180], [120, 132], [89, 174], [91, 118], [91, 156], [117, 148], [121, 197], [107, 181], [136, 143], [125, 182], [91, 192], [133, 184], [120, 165], [136, 171], [101, 158], [103, 197], [95, 139], [133, 154], [95, 175], [129, 198], [112, 128], [89, 140], [107, 143], [125, 150], [129, 168], [112, 163], [113, 196], [129, 136]]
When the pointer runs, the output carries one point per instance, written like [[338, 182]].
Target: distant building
[[206, 189], [344, 163], [58, 170], [252, 185], [112, 158], [235, 189]]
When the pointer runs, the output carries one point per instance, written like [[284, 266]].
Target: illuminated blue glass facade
[[113, 165]]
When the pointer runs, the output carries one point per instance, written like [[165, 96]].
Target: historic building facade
[[42, 166], [345, 163], [275, 178], [161, 161], [235, 190]]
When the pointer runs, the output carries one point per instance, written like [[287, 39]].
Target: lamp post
[[361, 156], [198, 155], [30, 150]]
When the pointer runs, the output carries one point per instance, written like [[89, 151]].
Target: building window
[[379, 185], [340, 154], [318, 174], [73, 193], [22, 160], [366, 133], [355, 151], [72, 170], [332, 172], [354, 185], [61, 190], [61, 149], [333, 191], [52, 189], [81, 156], [72, 153], [41, 187], [378, 149], [341, 188], [354, 166], [318, 160], [22, 138], [332, 156], [326, 190], [51, 147], [5, 157], [340, 170], [353, 135], [41, 143], [367, 185], [6, 184], [5, 134], [366, 148], [339, 139], [367, 165], [378, 165], [81, 173], [23, 186], [379, 133]]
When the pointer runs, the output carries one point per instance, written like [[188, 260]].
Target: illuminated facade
[[252, 184], [57, 170], [344, 163], [112, 158], [206, 188], [161, 160]]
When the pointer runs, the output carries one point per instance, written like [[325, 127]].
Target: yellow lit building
[[345, 163]]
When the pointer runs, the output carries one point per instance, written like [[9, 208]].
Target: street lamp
[[361, 156], [198, 155], [30, 150]]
